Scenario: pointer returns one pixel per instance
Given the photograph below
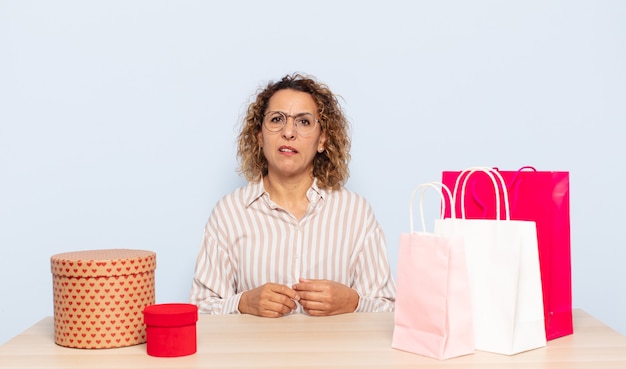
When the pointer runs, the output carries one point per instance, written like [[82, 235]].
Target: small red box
[[171, 329]]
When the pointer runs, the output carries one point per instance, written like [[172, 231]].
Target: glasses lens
[[305, 123], [275, 121]]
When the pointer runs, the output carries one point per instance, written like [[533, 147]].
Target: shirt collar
[[255, 190]]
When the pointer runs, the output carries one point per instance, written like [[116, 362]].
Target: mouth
[[287, 150]]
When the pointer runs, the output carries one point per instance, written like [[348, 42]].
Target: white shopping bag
[[505, 280]]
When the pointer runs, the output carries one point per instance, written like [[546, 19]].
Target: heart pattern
[[99, 297]]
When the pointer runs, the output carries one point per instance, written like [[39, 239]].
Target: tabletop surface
[[360, 340]]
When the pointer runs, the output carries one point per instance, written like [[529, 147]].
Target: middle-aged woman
[[293, 239]]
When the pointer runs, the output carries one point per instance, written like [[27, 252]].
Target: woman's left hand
[[321, 297]]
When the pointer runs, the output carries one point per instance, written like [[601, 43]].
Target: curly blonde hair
[[330, 167]]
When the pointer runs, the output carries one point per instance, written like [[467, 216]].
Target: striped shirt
[[249, 241]]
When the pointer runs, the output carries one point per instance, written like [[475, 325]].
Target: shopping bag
[[433, 308], [504, 275], [542, 197]]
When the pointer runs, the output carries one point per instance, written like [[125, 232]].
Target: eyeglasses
[[275, 121]]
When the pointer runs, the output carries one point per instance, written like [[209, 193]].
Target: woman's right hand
[[269, 300]]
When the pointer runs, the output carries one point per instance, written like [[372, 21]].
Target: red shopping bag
[[542, 197]]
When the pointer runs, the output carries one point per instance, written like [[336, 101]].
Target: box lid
[[104, 262], [170, 315]]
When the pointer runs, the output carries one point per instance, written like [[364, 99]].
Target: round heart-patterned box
[[99, 297]]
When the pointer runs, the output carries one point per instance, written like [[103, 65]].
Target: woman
[[293, 239]]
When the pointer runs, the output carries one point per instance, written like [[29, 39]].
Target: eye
[[276, 118], [304, 122]]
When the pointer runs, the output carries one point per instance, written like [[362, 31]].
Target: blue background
[[118, 120]]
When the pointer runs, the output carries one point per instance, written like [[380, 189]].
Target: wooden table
[[360, 340]]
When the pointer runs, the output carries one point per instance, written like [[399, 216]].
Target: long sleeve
[[212, 289], [374, 282]]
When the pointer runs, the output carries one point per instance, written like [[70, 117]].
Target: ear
[[260, 138], [321, 143]]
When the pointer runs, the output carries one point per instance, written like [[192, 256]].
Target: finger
[[270, 313], [273, 308], [315, 302], [309, 285], [304, 295], [315, 308], [285, 291], [317, 312], [282, 302]]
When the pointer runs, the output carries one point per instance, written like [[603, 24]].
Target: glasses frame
[[316, 121]]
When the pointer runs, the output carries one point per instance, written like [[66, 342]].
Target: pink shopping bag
[[542, 197], [433, 308]]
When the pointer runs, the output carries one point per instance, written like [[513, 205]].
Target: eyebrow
[[279, 111], [296, 115]]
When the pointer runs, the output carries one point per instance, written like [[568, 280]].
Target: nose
[[289, 130]]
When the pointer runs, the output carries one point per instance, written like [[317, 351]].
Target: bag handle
[[512, 187], [490, 172], [526, 167], [437, 186]]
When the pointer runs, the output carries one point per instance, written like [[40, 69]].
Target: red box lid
[[170, 315]]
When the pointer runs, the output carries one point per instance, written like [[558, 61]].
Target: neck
[[289, 194], [290, 187]]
